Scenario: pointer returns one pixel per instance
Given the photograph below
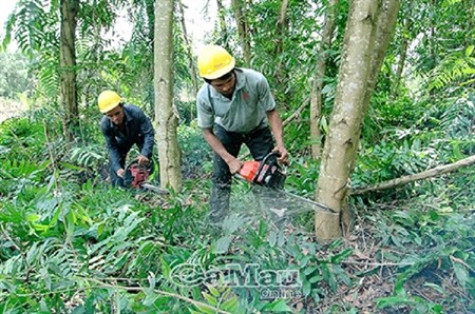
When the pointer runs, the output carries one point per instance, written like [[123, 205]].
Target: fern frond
[[455, 68]]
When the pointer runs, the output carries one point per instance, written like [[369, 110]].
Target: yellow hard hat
[[214, 62], [108, 100]]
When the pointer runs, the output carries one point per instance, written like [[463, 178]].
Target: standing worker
[[124, 125], [235, 106]]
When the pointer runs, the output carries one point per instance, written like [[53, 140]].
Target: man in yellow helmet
[[235, 106], [124, 125]]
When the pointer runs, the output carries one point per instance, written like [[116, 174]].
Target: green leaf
[[222, 245], [211, 300], [214, 291], [308, 270], [315, 279], [461, 273], [166, 270], [205, 309], [33, 217], [272, 238], [469, 50], [392, 301], [150, 299], [231, 304], [307, 288], [324, 125], [277, 306]]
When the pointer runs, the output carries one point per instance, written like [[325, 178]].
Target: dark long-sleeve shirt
[[136, 129]]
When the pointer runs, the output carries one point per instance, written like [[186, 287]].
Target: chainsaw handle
[[148, 166], [277, 163], [129, 175]]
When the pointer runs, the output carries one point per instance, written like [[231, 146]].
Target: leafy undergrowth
[[71, 243]]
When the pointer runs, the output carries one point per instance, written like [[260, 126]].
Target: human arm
[[112, 147], [234, 164], [276, 127], [146, 129], [267, 102]]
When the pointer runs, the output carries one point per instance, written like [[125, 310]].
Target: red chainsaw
[[271, 174], [137, 176]]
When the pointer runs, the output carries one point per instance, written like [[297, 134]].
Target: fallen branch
[[439, 170]]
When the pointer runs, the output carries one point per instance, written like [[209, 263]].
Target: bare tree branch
[[439, 170]]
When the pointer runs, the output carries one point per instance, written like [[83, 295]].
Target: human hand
[[284, 155], [143, 160], [235, 165], [121, 172]]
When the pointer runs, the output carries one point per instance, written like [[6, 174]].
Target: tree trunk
[[242, 28], [280, 75], [437, 171], [384, 35], [189, 53], [400, 67], [67, 62], [316, 98], [281, 27], [365, 43], [222, 25], [169, 152]]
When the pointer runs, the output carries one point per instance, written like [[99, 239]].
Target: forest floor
[[378, 269]]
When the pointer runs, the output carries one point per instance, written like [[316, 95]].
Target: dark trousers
[[115, 179], [260, 144], [123, 151]]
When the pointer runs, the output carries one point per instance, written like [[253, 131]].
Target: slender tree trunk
[[222, 25], [383, 36], [150, 9], [366, 39], [189, 53], [316, 98], [67, 61], [280, 75], [242, 27], [281, 28], [169, 153], [400, 67]]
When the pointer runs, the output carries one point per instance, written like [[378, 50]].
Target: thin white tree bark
[[165, 117], [366, 39]]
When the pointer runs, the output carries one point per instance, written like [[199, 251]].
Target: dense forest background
[[72, 243]]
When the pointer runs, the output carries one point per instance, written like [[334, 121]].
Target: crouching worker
[[124, 125], [235, 106]]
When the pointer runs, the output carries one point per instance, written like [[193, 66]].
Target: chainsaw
[[137, 176], [269, 173]]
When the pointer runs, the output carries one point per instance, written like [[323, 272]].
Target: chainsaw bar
[[270, 175], [321, 206]]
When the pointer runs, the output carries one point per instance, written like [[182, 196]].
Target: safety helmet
[[108, 100], [214, 62]]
